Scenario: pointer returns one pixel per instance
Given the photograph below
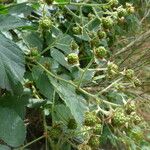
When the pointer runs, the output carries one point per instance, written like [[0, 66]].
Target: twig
[[136, 42]]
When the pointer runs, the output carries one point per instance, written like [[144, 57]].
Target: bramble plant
[[51, 53]]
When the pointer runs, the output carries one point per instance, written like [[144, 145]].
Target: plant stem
[[95, 97], [30, 143], [108, 87], [82, 4]]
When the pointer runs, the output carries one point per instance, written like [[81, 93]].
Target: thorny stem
[[108, 87], [96, 98], [82, 4]]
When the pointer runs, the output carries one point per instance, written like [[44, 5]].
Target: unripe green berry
[[107, 22], [136, 82], [100, 52], [73, 58], [101, 34], [97, 129], [77, 30], [45, 23], [130, 107], [136, 119], [112, 69], [119, 117], [72, 124], [90, 119], [94, 141], [121, 12], [129, 73], [34, 53], [91, 16]]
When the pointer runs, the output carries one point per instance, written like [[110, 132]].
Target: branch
[[136, 43]]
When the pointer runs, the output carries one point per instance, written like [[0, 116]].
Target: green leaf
[[12, 129], [11, 63], [8, 22], [45, 88], [4, 147], [59, 57], [62, 113], [75, 102], [22, 8], [33, 40], [63, 43], [94, 24], [17, 103]]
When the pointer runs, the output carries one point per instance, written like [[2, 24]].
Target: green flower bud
[[107, 22], [101, 34], [73, 59], [94, 141], [72, 124], [100, 52], [45, 23]]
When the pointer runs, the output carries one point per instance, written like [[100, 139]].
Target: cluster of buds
[[72, 124]]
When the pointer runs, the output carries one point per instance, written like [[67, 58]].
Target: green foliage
[[56, 57]]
